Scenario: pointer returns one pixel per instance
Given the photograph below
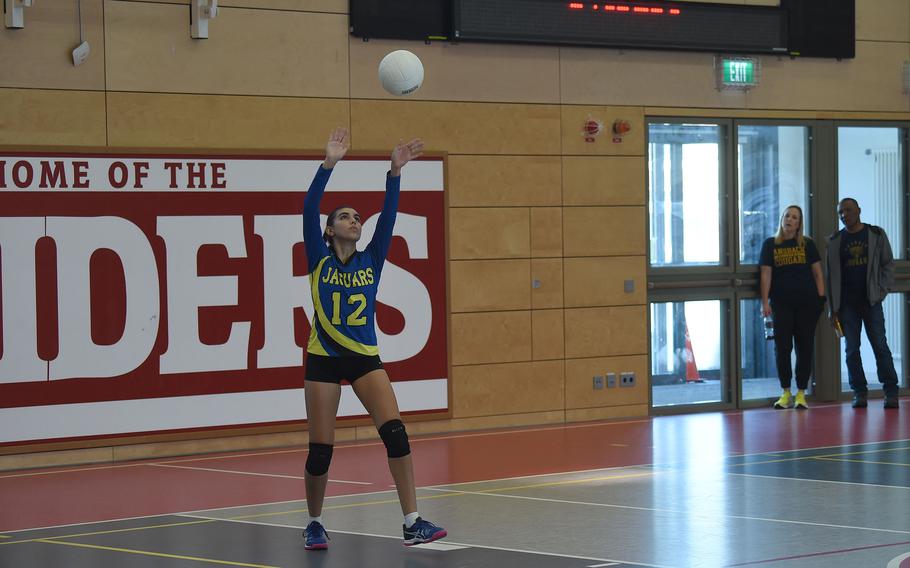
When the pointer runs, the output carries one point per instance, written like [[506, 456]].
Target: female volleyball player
[[343, 345], [793, 289]]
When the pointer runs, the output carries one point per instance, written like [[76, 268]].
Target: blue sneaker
[[421, 532], [316, 537]]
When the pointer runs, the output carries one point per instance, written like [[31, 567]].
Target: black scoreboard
[[680, 25], [815, 28]]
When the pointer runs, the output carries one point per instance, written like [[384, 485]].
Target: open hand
[[337, 146], [404, 153]]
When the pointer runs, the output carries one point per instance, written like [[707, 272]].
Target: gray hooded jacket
[[879, 272]]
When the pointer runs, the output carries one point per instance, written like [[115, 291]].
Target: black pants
[[795, 323]]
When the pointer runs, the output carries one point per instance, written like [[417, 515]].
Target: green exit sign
[[737, 72]]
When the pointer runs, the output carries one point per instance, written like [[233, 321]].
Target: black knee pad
[[317, 463], [395, 438]]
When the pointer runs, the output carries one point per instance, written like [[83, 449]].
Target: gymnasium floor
[[827, 487]]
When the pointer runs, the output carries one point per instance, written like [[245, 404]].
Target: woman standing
[[343, 345], [793, 291]]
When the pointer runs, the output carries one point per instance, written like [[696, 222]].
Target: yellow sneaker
[[784, 400], [800, 402]]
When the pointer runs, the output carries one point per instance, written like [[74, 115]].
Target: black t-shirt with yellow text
[[791, 269], [854, 255]]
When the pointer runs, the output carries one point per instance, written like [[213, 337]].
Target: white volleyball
[[401, 72]]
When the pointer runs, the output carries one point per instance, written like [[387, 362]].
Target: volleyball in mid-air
[[401, 72]]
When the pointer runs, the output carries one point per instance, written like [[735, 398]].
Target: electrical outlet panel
[[627, 379]]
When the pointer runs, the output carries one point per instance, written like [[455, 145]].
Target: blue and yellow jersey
[[344, 294]]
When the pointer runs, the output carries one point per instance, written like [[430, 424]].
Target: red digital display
[[645, 24], [631, 8]]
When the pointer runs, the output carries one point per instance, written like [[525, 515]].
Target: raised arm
[[335, 149], [382, 238]]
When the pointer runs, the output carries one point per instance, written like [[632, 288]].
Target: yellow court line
[[567, 482], [454, 493], [822, 456], [148, 553], [112, 531], [4, 536], [330, 507], [865, 452], [345, 506], [864, 461]]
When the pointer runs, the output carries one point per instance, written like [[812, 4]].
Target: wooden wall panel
[[489, 233], [493, 337], [546, 232], [333, 6], [458, 128], [872, 81], [249, 52], [604, 231], [548, 334], [482, 390], [604, 332], [491, 181], [604, 180], [198, 121], [656, 78], [39, 56], [605, 144], [463, 72], [225, 444], [607, 413], [643, 77], [485, 422], [594, 281], [579, 382], [882, 20], [55, 458], [490, 285], [53, 118], [546, 283]]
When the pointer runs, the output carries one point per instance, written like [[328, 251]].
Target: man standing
[[860, 273]]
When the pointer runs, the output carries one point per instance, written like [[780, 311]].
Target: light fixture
[[12, 10], [201, 11]]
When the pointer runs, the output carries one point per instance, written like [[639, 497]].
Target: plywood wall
[[552, 224]]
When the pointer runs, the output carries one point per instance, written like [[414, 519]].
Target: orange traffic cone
[[691, 369]]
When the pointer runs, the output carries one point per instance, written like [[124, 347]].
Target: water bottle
[[768, 322]]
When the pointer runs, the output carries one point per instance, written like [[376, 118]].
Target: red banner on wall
[[146, 293]]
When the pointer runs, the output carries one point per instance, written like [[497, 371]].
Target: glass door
[[870, 170], [717, 189], [773, 166], [688, 252]]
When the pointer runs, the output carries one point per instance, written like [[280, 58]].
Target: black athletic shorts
[[324, 369]]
